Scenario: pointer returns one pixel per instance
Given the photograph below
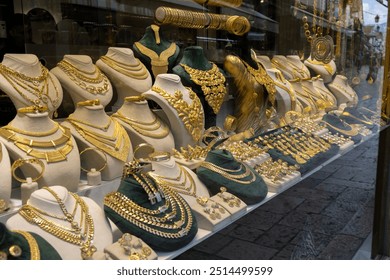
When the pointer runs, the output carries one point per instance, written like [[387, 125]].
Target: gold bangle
[[135, 98], [33, 109], [143, 146], [230, 123], [19, 162], [91, 102], [96, 149], [159, 156]]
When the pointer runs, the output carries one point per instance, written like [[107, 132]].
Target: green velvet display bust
[[153, 234], [156, 53], [15, 246], [251, 188]]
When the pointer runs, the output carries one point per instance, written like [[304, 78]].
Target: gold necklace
[[37, 86], [136, 71], [300, 72], [160, 61], [281, 83], [85, 82], [351, 132], [31, 133], [261, 76], [230, 174], [146, 129], [326, 66], [84, 240], [191, 115], [35, 253], [117, 145], [103, 128], [347, 114], [344, 89], [212, 83]]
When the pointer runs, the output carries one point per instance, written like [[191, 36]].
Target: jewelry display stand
[[320, 87], [209, 214], [284, 183], [143, 125], [285, 94], [55, 162], [186, 130], [127, 74], [343, 92], [304, 98], [326, 71], [319, 100], [27, 82], [91, 127], [299, 68], [82, 79], [45, 202], [5, 175]]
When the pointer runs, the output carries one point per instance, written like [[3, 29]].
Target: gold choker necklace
[[159, 62], [212, 83], [191, 114], [84, 79], [148, 129], [137, 71]]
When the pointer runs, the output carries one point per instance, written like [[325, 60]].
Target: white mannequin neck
[[137, 110], [81, 62], [122, 55], [28, 64], [44, 200], [33, 122], [94, 114], [265, 61], [341, 80]]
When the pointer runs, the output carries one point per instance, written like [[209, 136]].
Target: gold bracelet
[[142, 146], [135, 98], [96, 149], [33, 109], [230, 123], [159, 156], [91, 102], [19, 162]]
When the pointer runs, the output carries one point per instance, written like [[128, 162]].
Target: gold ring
[[159, 156], [19, 162], [90, 149], [230, 123], [33, 109], [91, 102]]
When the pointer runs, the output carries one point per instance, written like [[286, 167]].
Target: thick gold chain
[[191, 114], [212, 83], [35, 253], [230, 174]]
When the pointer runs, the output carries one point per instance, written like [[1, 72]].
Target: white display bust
[[343, 92], [140, 112], [127, 74], [96, 116], [44, 200], [172, 83], [280, 62], [326, 71], [29, 65], [265, 61], [299, 67], [5, 174], [319, 85], [66, 172], [82, 64]]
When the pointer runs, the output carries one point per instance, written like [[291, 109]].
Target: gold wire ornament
[[98, 150], [20, 162], [33, 109]]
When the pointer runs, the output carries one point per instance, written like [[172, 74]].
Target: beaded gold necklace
[[212, 83], [191, 114]]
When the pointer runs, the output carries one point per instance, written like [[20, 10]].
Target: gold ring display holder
[[237, 25]]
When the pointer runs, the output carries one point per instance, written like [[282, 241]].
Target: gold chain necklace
[[191, 114], [300, 72], [35, 253], [117, 145], [230, 174], [212, 83], [261, 76], [326, 66], [146, 129], [344, 89], [160, 61], [103, 128], [351, 132], [83, 81], [136, 71], [83, 240], [37, 86]]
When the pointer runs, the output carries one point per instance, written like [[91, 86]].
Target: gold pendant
[[322, 49]]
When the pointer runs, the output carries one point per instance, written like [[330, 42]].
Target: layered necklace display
[[38, 87], [212, 83], [159, 62], [154, 129], [291, 68], [136, 71], [171, 220], [241, 175], [190, 114], [94, 82], [116, 145], [78, 233], [40, 149]]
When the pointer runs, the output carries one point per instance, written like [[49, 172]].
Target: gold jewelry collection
[[137, 71], [275, 170], [212, 83], [78, 233], [191, 114], [95, 82]]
